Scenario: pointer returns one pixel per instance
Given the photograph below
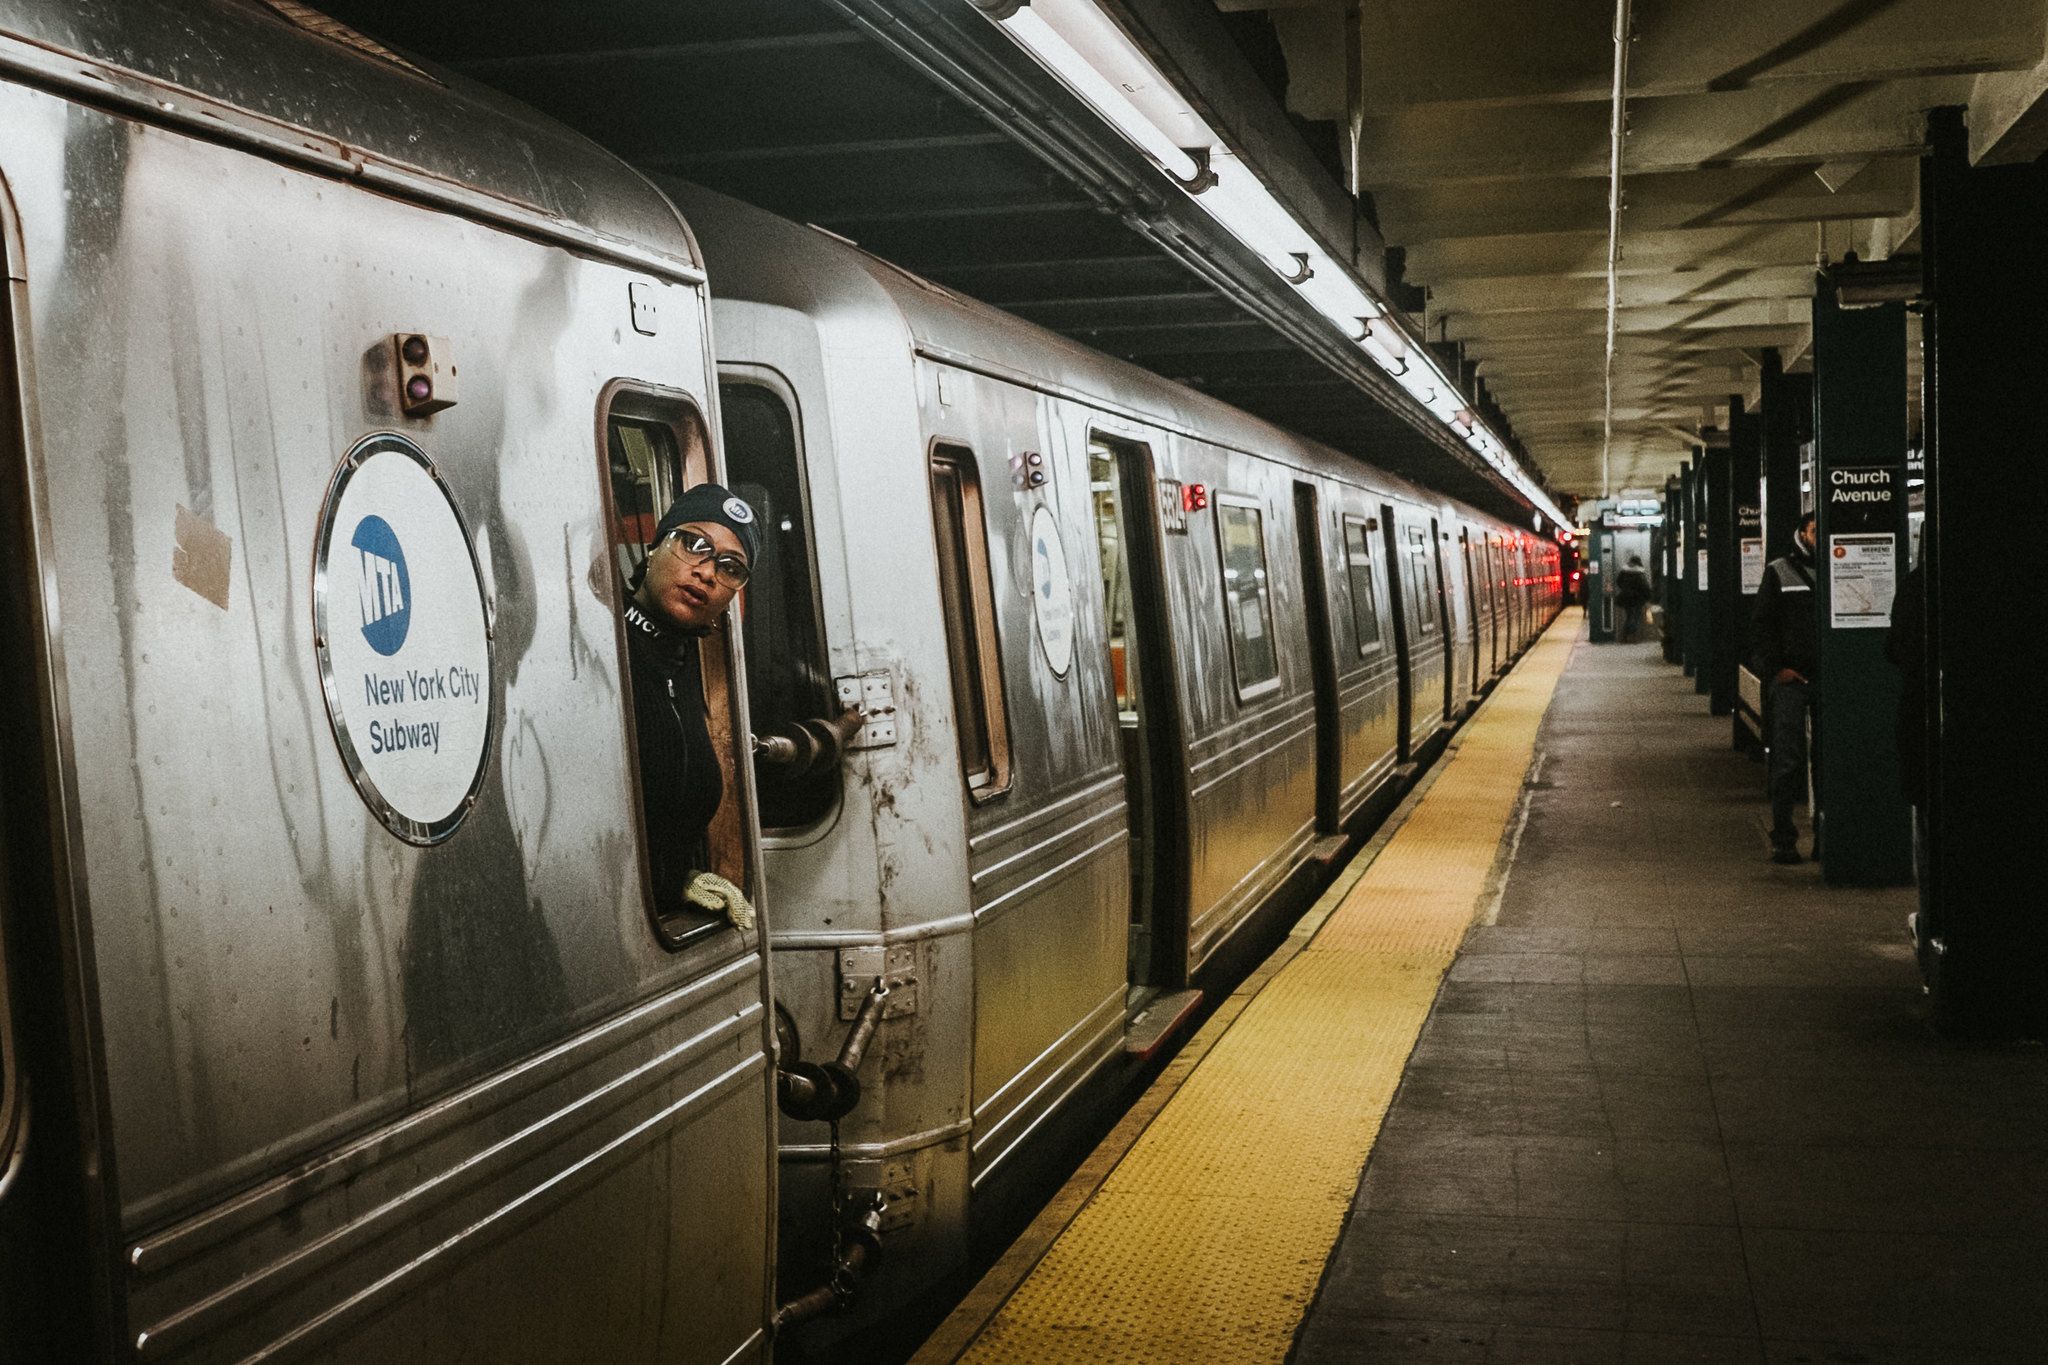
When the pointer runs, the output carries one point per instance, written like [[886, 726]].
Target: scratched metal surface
[[280, 980]]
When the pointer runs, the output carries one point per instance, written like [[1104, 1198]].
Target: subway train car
[[336, 397], [1112, 664]]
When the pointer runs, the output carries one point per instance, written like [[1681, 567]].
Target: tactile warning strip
[[1206, 1241]]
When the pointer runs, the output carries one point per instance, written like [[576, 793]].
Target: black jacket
[[681, 783], [1632, 587], [1786, 618]]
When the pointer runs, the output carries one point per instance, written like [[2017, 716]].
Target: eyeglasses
[[695, 547]]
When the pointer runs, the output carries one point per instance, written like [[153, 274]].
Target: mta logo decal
[[384, 588]]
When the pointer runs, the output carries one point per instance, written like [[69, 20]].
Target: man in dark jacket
[[701, 557], [1632, 595], [1786, 622]]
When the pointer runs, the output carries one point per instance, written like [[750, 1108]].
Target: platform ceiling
[[1471, 138]]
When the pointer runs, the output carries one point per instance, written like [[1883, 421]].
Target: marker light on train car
[[426, 373], [1194, 497]]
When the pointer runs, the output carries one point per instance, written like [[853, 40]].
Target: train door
[[1322, 658], [1511, 622], [1441, 606], [1400, 590], [1471, 600], [1129, 507]]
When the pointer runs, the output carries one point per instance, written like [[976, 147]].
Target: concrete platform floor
[[1680, 1104]]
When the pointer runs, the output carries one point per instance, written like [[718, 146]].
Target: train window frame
[[1420, 547], [778, 386], [1222, 501], [1347, 523], [967, 602], [729, 838]]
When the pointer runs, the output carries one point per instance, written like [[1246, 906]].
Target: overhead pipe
[[1617, 129]]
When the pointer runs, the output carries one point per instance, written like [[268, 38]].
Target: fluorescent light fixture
[[1098, 91], [1095, 59]]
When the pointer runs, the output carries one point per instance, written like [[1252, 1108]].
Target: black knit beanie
[[711, 502]]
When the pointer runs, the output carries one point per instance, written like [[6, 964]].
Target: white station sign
[[403, 634], [1052, 592]]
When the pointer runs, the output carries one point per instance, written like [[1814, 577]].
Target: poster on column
[[1752, 564], [1862, 578]]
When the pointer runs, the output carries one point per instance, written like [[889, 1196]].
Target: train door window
[[969, 604], [1365, 611], [789, 681], [1116, 578], [1422, 607], [1247, 596], [656, 446]]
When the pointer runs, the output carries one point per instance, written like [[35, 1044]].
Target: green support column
[[1859, 428], [1722, 589], [1699, 621], [1745, 466], [1986, 952], [1787, 424], [1689, 615], [1597, 562], [1667, 570]]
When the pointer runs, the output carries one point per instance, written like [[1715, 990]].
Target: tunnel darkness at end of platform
[[785, 105]]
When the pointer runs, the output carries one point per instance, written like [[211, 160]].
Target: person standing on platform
[[1788, 659], [1632, 595]]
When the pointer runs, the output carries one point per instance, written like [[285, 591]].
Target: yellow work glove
[[709, 891]]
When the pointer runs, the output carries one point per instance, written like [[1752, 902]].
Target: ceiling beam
[[1764, 126], [1560, 50]]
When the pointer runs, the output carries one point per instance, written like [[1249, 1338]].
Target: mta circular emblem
[[402, 629], [383, 586], [738, 511]]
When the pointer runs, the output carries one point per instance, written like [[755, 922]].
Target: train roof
[[376, 115], [754, 255]]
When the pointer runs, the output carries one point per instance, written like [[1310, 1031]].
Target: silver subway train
[[1128, 660], [333, 395], [338, 400]]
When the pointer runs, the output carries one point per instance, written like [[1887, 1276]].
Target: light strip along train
[[1131, 659], [337, 396]]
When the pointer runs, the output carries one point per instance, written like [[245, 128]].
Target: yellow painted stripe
[[1207, 1240]]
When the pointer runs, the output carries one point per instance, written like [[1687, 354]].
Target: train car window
[[646, 466], [1365, 611], [656, 446], [789, 679], [969, 603], [1247, 598]]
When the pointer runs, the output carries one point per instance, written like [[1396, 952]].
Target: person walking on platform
[[1632, 595], [1788, 659]]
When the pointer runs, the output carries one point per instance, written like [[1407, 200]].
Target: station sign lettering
[[1862, 498]]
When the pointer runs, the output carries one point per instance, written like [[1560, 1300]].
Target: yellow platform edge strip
[[1207, 1239]]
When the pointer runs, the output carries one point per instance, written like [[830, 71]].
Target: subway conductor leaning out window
[[703, 550]]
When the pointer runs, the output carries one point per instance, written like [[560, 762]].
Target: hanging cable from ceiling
[[1617, 130]]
